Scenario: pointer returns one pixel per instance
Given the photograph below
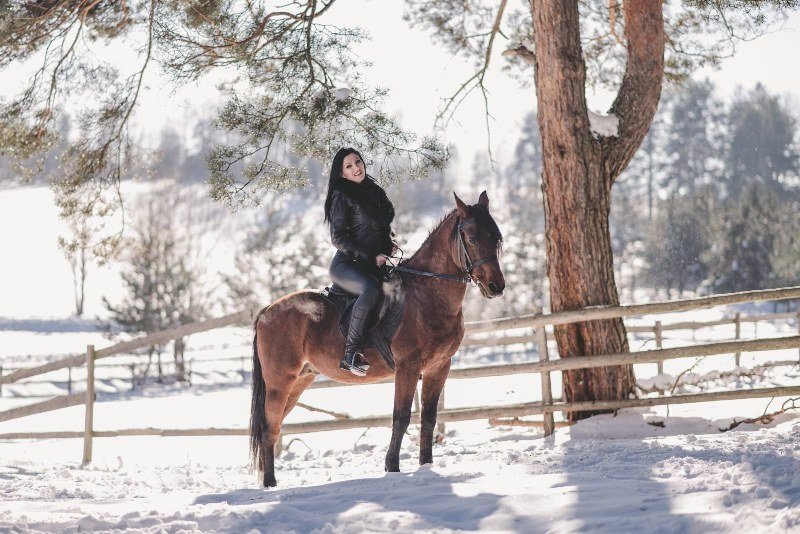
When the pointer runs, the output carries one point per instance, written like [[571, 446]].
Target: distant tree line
[[711, 202]]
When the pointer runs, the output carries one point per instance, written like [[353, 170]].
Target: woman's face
[[353, 168]]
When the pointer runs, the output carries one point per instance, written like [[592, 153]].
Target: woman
[[360, 216]]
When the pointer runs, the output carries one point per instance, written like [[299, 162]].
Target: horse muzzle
[[491, 290]]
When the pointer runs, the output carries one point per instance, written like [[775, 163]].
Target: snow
[[605, 474], [603, 125], [342, 93]]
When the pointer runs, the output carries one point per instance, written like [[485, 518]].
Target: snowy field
[[606, 474], [651, 470]]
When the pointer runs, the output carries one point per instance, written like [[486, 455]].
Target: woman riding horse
[[297, 336], [360, 216]]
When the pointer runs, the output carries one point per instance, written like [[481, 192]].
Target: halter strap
[[466, 263]]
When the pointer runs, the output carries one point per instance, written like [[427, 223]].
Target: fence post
[[659, 333], [133, 376], [658, 330], [1, 374], [547, 391], [69, 380], [243, 360], [798, 332], [87, 431], [738, 319]]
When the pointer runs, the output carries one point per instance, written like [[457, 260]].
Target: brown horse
[[300, 331]]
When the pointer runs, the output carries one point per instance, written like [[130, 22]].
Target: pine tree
[[284, 254], [761, 145], [694, 143], [678, 241], [162, 285], [744, 250]]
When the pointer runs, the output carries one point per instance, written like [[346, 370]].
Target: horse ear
[[484, 200], [463, 210]]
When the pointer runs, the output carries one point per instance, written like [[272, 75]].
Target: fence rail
[[55, 403], [470, 328], [134, 344], [645, 356], [538, 321], [444, 416]]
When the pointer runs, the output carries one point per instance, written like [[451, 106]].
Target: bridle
[[466, 263]]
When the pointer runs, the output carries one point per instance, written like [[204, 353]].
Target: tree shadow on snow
[[422, 500], [632, 484]]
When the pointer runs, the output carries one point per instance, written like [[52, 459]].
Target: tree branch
[[476, 81], [637, 99]]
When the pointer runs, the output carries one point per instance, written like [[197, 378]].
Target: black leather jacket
[[355, 232]]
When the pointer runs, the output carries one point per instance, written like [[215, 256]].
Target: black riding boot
[[353, 360]]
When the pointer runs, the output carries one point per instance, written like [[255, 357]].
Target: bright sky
[[420, 74]]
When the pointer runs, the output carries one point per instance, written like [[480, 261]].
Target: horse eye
[[472, 241]]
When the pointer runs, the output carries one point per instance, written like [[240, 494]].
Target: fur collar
[[370, 196]]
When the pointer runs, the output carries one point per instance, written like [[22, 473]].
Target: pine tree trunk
[[578, 172]]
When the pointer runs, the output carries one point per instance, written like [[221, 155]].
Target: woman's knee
[[372, 287], [353, 279]]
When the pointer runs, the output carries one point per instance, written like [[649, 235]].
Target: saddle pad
[[380, 329]]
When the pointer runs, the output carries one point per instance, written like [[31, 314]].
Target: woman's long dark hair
[[336, 174]]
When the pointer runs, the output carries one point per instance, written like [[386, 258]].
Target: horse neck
[[436, 256]]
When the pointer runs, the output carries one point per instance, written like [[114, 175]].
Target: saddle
[[381, 327]]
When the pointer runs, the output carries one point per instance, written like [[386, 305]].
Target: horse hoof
[[270, 482], [392, 467]]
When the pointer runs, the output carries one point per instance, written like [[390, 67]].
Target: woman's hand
[[380, 260]]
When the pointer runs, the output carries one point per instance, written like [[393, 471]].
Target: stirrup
[[354, 363]]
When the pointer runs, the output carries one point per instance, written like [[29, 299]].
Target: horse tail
[[258, 419]]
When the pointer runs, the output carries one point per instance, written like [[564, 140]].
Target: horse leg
[[274, 407], [432, 385], [405, 383], [300, 385]]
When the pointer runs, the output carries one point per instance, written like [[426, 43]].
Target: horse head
[[478, 246]]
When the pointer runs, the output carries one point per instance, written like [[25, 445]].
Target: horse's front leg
[[432, 385], [405, 383]]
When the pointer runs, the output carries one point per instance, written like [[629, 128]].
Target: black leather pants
[[358, 279]]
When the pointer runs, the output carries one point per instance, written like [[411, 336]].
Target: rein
[[467, 265]]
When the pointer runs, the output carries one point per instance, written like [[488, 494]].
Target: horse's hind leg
[[305, 379], [274, 406], [405, 383], [432, 385]]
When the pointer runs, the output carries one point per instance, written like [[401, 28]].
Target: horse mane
[[431, 234], [485, 221]]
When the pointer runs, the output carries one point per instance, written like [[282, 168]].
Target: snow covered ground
[[606, 474]]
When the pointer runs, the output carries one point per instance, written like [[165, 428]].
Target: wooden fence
[[657, 329], [546, 407]]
